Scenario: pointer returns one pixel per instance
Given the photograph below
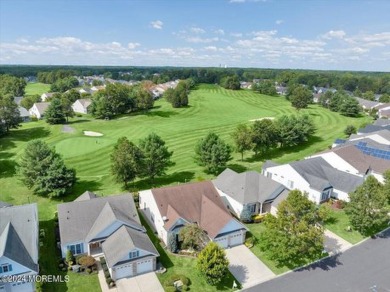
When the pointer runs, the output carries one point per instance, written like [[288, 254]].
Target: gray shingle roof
[[42, 106], [248, 187], [269, 163], [122, 241], [23, 112], [318, 173], [382, 122], [87, 195], [367, 103], [19, 234], [4, 204], [77, 219], [369, 129]]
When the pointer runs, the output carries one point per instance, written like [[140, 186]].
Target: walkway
[[102, 279], [246, 267], [334, 244], [143, 283]]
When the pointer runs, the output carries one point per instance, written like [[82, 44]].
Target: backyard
[[211, 109]]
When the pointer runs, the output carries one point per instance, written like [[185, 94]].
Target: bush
[[175, 277], [86, 261], [250, 241], [349, 130], [107, 274], [258, 218], [34, 119], [112, 284], [88, 270], [108, 281], [102, 260], [64, 269]]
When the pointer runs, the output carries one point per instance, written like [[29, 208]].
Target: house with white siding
[[19, 246], [107, 226], [316, 177], [168, 209], [81, 106], [38, 109]]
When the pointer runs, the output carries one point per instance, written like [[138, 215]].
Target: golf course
[[211, 109]]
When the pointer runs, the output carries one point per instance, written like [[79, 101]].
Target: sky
[[297, 34]]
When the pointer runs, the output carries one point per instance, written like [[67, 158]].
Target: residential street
[[364, 267]]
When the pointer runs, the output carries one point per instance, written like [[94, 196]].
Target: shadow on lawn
[[77, 121], [162, 114], [7, 168], [79, 188], [176, 177], [8, 141], [279, 152], [237, 167], [325, 264]]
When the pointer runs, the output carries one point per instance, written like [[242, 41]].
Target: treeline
[[51, 77], [340, 102], [377, 82], [11, 85]]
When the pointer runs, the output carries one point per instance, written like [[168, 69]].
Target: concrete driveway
[[143, 283], [246, 267]]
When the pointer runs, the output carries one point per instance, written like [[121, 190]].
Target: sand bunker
[[93, 134], [265, 118]]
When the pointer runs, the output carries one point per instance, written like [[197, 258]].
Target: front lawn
[[256, 229], [339, 223], [186, 266]]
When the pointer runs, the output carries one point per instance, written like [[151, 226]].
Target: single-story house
[[107, 226], [367, 104], [24, 114], [168, 209], [47, 95], [81, 106], [314, 176], [249, 189], [38, 109], [97, 88], [19, 246]]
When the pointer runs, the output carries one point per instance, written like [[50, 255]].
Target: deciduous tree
[[55, 112], [9, 114], [301, 97], [242, 137], [192, 237], [264, 135]]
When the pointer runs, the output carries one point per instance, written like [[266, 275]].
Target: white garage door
[[222, 241], [235, 239], [124, 271], [144, 266]]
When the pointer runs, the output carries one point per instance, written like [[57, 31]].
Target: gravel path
[[67, 129]]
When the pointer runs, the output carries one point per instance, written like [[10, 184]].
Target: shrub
[[349, 130], [107, 274], [258, 218], [250, 241], [102, 260], [70, 268], [112, 284], [88, 270], [34, 119], [184, 288], [246, 214], [77, 259], [108, 281], [87, 261]]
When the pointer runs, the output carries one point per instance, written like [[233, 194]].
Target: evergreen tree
[[172, 243], [55, 112], [212, 263]]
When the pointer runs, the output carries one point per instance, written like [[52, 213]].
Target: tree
[[246, 214], [192, 237], [301, 97], [212, 263], [126, 161], [264, 135], [44, 171], [384, 98], [144, 99], [369, 95], [212, 153], [294, 236], [157, 156], [368, 207], [294, 129], [265, 87], [172, 243], [9, 114], [178, 97], [350, 107], [28, 101], [230, 82], [349, 130], [11, 85], [242, 138], [72, 95], [325, 98], [67, 108], [62, 85], [386, 186], [55, 112]]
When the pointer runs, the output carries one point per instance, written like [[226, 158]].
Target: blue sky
[[309, 34]]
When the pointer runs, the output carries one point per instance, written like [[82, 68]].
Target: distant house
[[18, 246], [316, 177], [81, 106], [47, 95], [281, 90], [367, 104], [95, 89], [168, 209], [24, 114], [38, 109], [249, 189], [18, 99], [384, 110], [85, 91], [245, 85], [382, 122], [107, 226]]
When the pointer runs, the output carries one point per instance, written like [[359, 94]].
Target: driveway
[[334, 244], [246, 267], [143, 283]]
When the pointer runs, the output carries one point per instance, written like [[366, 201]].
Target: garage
[[144, 266], [235, 239], [123, 271], [222, 241], [229, 240]]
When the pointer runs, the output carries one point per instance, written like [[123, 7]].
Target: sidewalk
[[334, 244]]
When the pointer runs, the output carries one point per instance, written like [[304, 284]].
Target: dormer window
[[133, 254], [5, 268]]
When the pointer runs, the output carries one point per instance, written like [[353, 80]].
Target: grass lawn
[[36, 88], [185, 266], [339, 223], [211, 109], [256, 229]]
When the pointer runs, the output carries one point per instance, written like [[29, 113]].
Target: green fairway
[[211, 109], [37, 88]]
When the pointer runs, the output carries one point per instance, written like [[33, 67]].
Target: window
[[252, 208], [133, 254], [76, 248], [325, 195], [290, 184], [269, 174], [5, 268]]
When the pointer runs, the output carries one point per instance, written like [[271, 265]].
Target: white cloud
[[219, 31], [211, 48], [334, 34], [197, 30], [246, 1], [279, 21], [201, 40], [236, 34], [157, 24], [133, 45]]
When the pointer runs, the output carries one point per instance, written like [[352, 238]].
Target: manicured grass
[[211, 109], [256, 229], [36, 88], [185, 266], [339, 223]]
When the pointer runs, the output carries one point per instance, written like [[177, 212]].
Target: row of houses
[[383, 109]]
